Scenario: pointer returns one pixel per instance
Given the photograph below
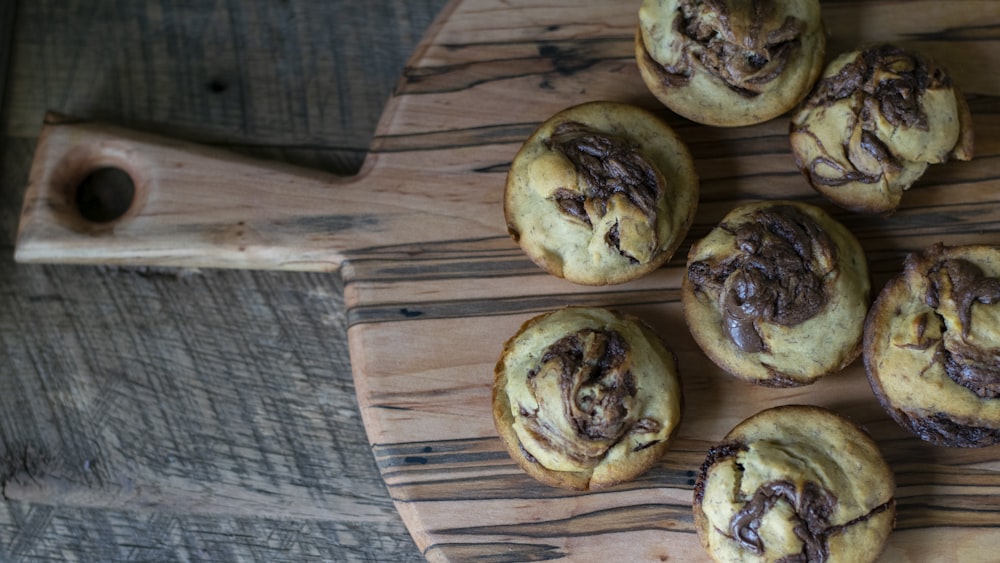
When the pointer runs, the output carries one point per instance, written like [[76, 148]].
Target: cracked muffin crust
[[601, 193], [585, 398], [874, 122], [730, 62], [777, 293], [932, 346], [794, 483]]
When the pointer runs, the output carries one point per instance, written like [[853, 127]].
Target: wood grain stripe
[[486, 307], [480, 470], [651, 516], [499, 134], [980, 510], [517, 60], [442, 466]]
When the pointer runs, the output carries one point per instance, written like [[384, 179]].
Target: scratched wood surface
[[180, 386], [429, 306]]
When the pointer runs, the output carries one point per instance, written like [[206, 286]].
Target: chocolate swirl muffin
[[795, 483], [874, 122], [777, 294], [585, 398], [932, 346], [730, 62], [601, 193]]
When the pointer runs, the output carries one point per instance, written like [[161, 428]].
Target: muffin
[[932, 346], [601, 193], [777, 293], [874, 122], [729, 62], [795, 483], [585, 398]]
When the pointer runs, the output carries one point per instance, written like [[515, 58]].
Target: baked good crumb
[[601, 193], [777, 293], [729, 63], [932, 345], [585, 398], [795, 483], [874, 122]]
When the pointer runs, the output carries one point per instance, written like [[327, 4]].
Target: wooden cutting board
[[434, 285]]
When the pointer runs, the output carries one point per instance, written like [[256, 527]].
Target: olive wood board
[[434, 285]]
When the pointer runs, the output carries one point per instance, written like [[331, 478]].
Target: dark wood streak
[[474, 486], [962, 34], [453, 453], [931, 511], [651, 516], [481, 469], [983, 103], [499, 134], [564, 57], [442, 81], [491, 306]]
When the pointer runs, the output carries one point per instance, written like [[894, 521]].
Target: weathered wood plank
[[37, 532], [297, 74], [139, 389]]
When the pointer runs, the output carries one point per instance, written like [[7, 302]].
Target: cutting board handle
[[104, 194]]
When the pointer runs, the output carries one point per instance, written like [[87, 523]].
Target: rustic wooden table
[[158, 413]]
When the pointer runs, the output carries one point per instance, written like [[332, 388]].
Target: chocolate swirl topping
[[611, 167], [812, 505], [973, 367], [775, 277], [738, 42], [886, 78], [882, 81], [595, 404]]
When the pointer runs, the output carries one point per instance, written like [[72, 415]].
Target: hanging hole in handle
[[105, 195], [94, 187]]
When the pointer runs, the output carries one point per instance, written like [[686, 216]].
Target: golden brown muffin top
[[729, 62], [873, 123], [777, 293], [586, 393], [932, 340], [789, 482], [601, 193]]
